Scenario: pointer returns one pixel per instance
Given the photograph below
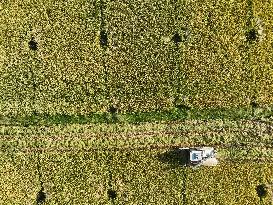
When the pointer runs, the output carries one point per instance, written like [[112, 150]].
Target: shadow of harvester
[[175, 157]]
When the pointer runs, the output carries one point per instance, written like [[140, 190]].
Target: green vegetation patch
[[175, 114]]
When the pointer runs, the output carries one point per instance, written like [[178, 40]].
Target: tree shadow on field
[[103, 38], [112, 195], [113, 115], [261, 190], [251, 35], [41, 197], [175, 157], [33, 45], [183, 107], [176, 38]]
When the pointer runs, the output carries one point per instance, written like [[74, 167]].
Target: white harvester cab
[[201, 156]]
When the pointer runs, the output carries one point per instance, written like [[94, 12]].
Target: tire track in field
[[250, 133], [204, 125], [217, 137], [131, 139], [149, 147], [212, 126]]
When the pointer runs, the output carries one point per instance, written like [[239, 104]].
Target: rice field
[[78, 57], [127, 177], [96, 96], [135, 163]]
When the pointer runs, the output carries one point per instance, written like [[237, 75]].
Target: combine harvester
[[199, 156]]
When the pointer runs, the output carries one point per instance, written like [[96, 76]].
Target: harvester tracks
[[144, 147], [140, 135]]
